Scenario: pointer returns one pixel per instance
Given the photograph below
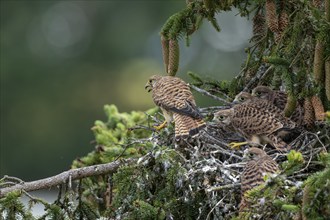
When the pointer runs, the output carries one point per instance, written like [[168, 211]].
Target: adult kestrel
[[258, 125], [279, 99], [254, 172], [176, 101]]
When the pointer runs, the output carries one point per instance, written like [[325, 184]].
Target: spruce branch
[[73, 174], [206, 93], [258, 77]]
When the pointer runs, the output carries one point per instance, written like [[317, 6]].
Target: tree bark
[[67, 175]]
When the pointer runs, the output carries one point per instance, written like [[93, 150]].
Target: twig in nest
[[223, 151], [318, 139], [228, 186], [235, 165], [218, 203], [297, 176], [307, 165]]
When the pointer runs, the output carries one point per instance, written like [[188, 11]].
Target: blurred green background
[[62, 61]]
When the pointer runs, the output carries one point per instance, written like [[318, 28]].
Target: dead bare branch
[[73, 174]]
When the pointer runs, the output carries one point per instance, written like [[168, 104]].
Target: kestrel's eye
[[242, 99], [221, 117], [258, 93]]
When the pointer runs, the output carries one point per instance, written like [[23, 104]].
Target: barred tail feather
[[186, 126]]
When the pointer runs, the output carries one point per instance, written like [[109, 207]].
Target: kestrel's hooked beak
[[148, 87], [216, 117], [235, 102]]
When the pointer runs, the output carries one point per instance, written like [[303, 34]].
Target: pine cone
[[318, 62], [327, 78], [165, 50], [271, 16], [278, 36], [309, 115], [258, 27], [317, 3], [318, 108], [283, 21], [173, 59]]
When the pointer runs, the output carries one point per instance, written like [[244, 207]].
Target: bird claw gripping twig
[[161, 126], [236, 145]]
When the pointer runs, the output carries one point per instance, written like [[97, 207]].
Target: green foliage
[[113, 137], [291, 208], [156, 186], [85, 211], [276, 61], [295, 161], [120, 136], [53, 211], [316, 204], [169, 182], [144, 210], [222, 87], [197, 79], [13, 208]]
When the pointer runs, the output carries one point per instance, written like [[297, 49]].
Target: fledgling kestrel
[[258, 125], [279, 99], [260, 104], [256, 102], [254, 172], [176, 101]]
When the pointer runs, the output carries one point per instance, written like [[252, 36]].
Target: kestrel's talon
[[161, 126], [236, 145]]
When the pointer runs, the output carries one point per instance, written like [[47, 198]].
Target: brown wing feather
[[173, 94], [250, 120], [279, 99]]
